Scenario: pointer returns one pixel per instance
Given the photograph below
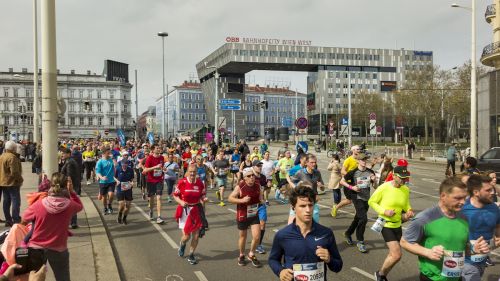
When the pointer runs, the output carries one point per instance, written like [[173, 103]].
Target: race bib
[[363, 182], [453, 262], [90, 159], [252, 210], [309, 271], [157, 172], [222, 171], [126, 186], [235, 166], [478, 258], [287, 168]]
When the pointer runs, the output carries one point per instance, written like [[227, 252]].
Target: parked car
[[490, 160]]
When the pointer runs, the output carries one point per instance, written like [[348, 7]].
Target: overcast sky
[[90, 31]]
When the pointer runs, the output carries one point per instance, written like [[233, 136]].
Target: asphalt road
[[147, 251]]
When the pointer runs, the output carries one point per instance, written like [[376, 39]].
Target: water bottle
[[378, 225]]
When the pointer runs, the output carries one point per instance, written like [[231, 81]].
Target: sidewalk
[[89, 247]]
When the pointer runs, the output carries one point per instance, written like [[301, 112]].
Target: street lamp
[[473, 89], [163, 35], [216, 104]]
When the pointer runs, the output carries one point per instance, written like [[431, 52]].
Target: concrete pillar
[[49, 87]]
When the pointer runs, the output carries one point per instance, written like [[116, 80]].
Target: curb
[[105, 264]]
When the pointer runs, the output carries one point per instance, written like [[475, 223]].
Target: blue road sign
[[229, 102], [286, 122], [344, 121], [230, 107]]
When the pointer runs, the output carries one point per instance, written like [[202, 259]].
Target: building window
[[111, 107], [29, 106], [99, 107], [91, 121], [71, 107], [30, 120], [99, 121], [6, 92], [374, 75], [28, 93], [82, 121], [16, 120], [72, 121], [99, 94], [111, 121], [125, 108], [111, 94], [183, 116], [80, 93]]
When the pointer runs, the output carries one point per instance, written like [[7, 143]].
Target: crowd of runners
[[452, 240]]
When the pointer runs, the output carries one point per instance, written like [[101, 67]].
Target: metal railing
[[490, 11], [491, 49]]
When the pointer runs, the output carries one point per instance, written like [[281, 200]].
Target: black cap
[[257, 163], [401, 172]]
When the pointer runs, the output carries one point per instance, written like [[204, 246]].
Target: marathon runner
[[220, 169], [190, 194], [483, 216], [235, 160], [284, 165], [312, 176], [105, 170], [247, 197], [171, 170], [357, 184], [440, 235], [262, 211], [124, 178], [304, 248], [153, 168], [350, 163], [390, 201], [268, 171], [89, 160]]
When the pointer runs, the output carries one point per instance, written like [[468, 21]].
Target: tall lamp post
[[473, 88], [216, 103], [163, 35], [36, 106]]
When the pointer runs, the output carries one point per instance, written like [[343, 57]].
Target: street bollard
[[421, 153], [385, 149]]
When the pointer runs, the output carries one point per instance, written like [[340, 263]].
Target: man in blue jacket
[[292, 255]]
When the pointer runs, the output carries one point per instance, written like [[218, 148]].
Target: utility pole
[[36, 106], [349, 109], [49, 87], [136, 110]]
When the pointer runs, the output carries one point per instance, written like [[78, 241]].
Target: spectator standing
[[11, 180], [451, 157], [71, 168]]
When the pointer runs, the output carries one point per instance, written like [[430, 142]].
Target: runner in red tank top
[[247, 197], [190, 193]]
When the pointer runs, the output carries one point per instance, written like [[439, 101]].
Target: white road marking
[[431, 180], [200, 276], [231, 210], [364, 273], [160, 230], [275, 230], [421, 193]]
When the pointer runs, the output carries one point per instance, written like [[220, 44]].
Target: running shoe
[[255, 261], [88, 182], [379, 277], [119, 219], [182, 248], [241, 261], [348, 239], [143, 196], [159, 220], [260, 249], [110, 209], [151, 214], [222, 204], [362, 247], [217, 194], [105, 211], [267, 203], [169, 199], [74, 226], [334, 211], [277, 194], [124, 220], [192, 260]]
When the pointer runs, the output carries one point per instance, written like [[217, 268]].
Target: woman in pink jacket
[[49, 215]]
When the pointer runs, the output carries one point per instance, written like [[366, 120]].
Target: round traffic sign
[[106, 132], [301, 123], [373, 116]]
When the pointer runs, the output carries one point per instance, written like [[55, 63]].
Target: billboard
[[388, 86], [115, 71]]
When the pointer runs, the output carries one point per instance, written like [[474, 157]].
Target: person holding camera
[[48, 215]]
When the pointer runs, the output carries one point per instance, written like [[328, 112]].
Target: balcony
[[490, 12], [491, 55]]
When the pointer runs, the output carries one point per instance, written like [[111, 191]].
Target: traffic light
[[5, 129], [264, 104]]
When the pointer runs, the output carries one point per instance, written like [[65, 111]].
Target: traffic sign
[[229, 102], [230, 107], [301, 123], [106, 132], [373, 116], [286, 122], [344, 121]]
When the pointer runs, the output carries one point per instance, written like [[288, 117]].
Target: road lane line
[[231, 210], [200, 276], [364, 273], [155, 225], [421, 193]]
